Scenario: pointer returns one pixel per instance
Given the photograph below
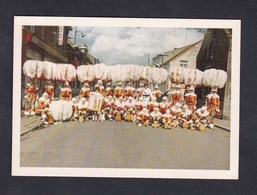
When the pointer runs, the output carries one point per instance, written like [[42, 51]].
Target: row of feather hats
[[119, 73]]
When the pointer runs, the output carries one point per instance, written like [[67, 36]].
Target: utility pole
[[148, 58]]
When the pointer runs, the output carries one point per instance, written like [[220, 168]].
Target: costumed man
[[176, 113], [202, 116], [153, 104], [139, 91], [140, 104], [75, 115], [108, 90], [49, 89], [167, 119], [143, 117], [213, 104], [66, 92], [146, 93], [118, 91], [101, 87], [31, 95], [43, 107], [186, 117], [164, 105], [97, 96], [129, 109], [191, 99], [119, 109], [155, 118], [82, 109], [84, 91], [176, 95], [108, 107], [156, 92], [129, 90]]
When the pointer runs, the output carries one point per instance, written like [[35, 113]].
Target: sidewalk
[[30, 123], [223, 124]]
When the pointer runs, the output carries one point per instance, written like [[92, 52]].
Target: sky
[[119, 45]]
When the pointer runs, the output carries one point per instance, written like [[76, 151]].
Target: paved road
[[124, 145]]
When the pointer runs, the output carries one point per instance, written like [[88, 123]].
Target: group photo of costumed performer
[[120, 100]]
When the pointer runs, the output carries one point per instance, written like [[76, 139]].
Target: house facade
[[184, 57]]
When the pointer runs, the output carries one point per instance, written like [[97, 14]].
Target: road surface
[[124, 145]]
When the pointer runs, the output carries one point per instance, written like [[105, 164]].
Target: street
[[124, 145]]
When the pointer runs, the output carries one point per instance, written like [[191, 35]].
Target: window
[[183, 63]]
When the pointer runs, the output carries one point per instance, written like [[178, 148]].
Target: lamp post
[[148, 57], [75, 35]]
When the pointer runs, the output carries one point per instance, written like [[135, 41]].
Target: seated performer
[[74, 110], [31, 95], [49, 89], [167, 119], [118, 91], [202, 117], [153, 104], [191, 99], [108, 90], [66, 92], [119, 109], [186, 117], [156, 92], [213, 104], [130, 90], [84, 91], [164, 105], [155, 118], [108, 107], [176, 113], [143, 117], [82, 109], [129, 109], [43, 107], [140, 104]]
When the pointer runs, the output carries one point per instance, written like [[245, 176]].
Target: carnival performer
[[202, 118], [176, 113], [155, 118], [140, 104], [43, 107], [75, 115], [118, 91], [108, 107], [108, 90], [146, 93], [164, 105], [129, 90], [191, 99], [156, 92], [186, 117], [153, 104], [101, 87], [167, 120], [119, 109], [31, 95], [213, 104], [66, 92], [143, 117], [129, 109], [84, 91], [82, 110], [96, 93], [139, 91], [49, 89], [176, 95]]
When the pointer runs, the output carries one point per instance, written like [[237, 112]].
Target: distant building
[[215, 52], [184, 57]]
